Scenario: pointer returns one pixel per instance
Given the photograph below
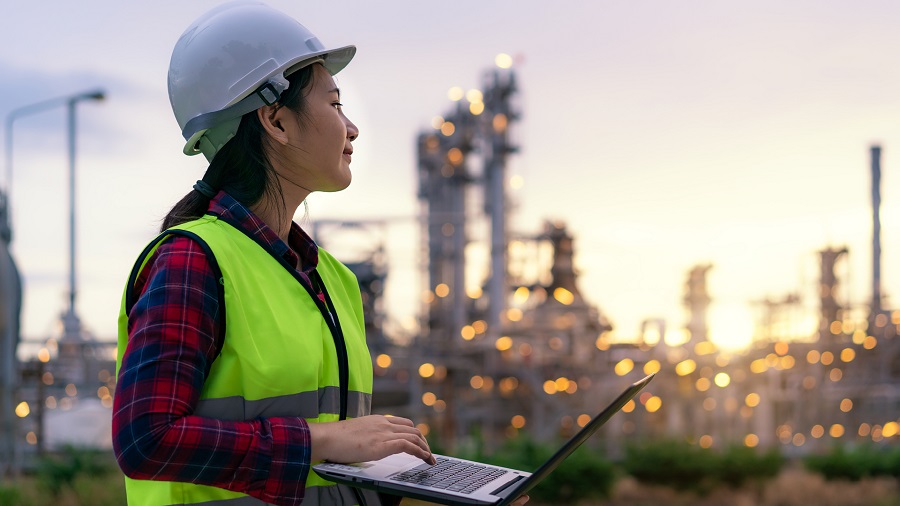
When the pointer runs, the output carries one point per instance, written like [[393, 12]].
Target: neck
[[278, 214]]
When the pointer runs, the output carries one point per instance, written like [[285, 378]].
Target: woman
[[242, 354]]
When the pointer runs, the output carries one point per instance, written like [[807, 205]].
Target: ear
[[273, 122]]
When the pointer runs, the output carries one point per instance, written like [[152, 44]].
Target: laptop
[[458, 481]]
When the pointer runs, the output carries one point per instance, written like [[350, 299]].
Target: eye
[[337, 105]]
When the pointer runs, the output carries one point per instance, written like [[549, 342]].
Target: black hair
[[242, 166]]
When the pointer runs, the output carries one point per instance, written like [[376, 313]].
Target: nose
[[352, 131]]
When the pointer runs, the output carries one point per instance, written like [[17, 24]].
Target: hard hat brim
[[334, 60]]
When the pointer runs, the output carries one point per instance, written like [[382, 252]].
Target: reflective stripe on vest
[[278, 357]]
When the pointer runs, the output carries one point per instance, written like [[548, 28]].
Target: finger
[[399, 420], [408, 447]]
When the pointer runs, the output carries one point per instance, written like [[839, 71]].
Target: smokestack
[[876, 233]]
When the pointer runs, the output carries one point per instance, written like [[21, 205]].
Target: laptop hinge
[[507, 485]]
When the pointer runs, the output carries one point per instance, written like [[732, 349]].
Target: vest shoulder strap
[[131, 297]]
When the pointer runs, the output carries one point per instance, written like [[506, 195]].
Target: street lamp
[[70, 320]]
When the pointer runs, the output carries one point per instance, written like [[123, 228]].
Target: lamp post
[[9, 337]]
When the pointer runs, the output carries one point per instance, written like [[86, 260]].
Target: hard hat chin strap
[[267, 94]]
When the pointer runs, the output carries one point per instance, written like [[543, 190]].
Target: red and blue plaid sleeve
[[174, 337]]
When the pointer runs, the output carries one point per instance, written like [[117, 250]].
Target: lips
[[347, 153]]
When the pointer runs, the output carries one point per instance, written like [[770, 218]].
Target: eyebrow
[[336, 90]]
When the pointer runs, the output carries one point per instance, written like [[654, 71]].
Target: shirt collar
[[301, 251]]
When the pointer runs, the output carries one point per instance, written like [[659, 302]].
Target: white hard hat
[[233, 60]]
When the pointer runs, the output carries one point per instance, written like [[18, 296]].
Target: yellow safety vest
[[280, 356]]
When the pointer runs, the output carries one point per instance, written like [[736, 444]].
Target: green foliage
[[585, 474], [739, 464], [683, 466], [10, 495], [855, 463], [59, 471], [672, 463]]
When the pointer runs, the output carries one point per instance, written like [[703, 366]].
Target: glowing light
[[440, 406], [870, 342], [436, 122], [827, 358], [583, 420], [455, 156], [525, 349], [474, 95], [455, 93], [516, 182], [50, 402], [624, 366], [429, 399], [514, 314], [572, 388], [480, 326], [503, 343], [47, 378], [22, 410], [836, 430], [428, 296], [474, 292], [752, 400], [44, 355], [722, 380], [467, 332], [103, 392], [846, 405], [423, 428], [383, 361], [517, 421], [651, 367], [864, 429], [812, 357], [722, 360], [809, 382], [555, 343], [751, 440], [31, 438], [563, 296], [442, 290], [835, 375], [476, 382], [781, 348], [550, 387], [709, 404], [798, 439], [859, 336], [508, 384], [758, 366], [629, 406], [562, 384], [706, 441], [704, 348], [601, 343], [503, 60], [448, 128], [476, 108], [817, 431], [703, 384], [890, 429], [500, 122], [836, 327], [71, 391], [653, 404], [848, 354], [426, 370], [521, 295], [731, 326], [786, 362], [685, 367]]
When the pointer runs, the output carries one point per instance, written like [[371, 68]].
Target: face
[[317, 148]]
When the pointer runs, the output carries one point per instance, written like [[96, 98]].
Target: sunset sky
[[664, 134]]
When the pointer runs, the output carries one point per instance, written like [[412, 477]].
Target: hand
[[367, 438], [520, 501]]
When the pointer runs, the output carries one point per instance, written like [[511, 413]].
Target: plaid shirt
[[174, 336]]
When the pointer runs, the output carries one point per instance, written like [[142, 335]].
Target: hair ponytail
[[241, 167]]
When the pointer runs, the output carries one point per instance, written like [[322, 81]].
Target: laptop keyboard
[[452, 475]]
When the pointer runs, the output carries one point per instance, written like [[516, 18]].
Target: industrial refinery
[[526, 352]]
